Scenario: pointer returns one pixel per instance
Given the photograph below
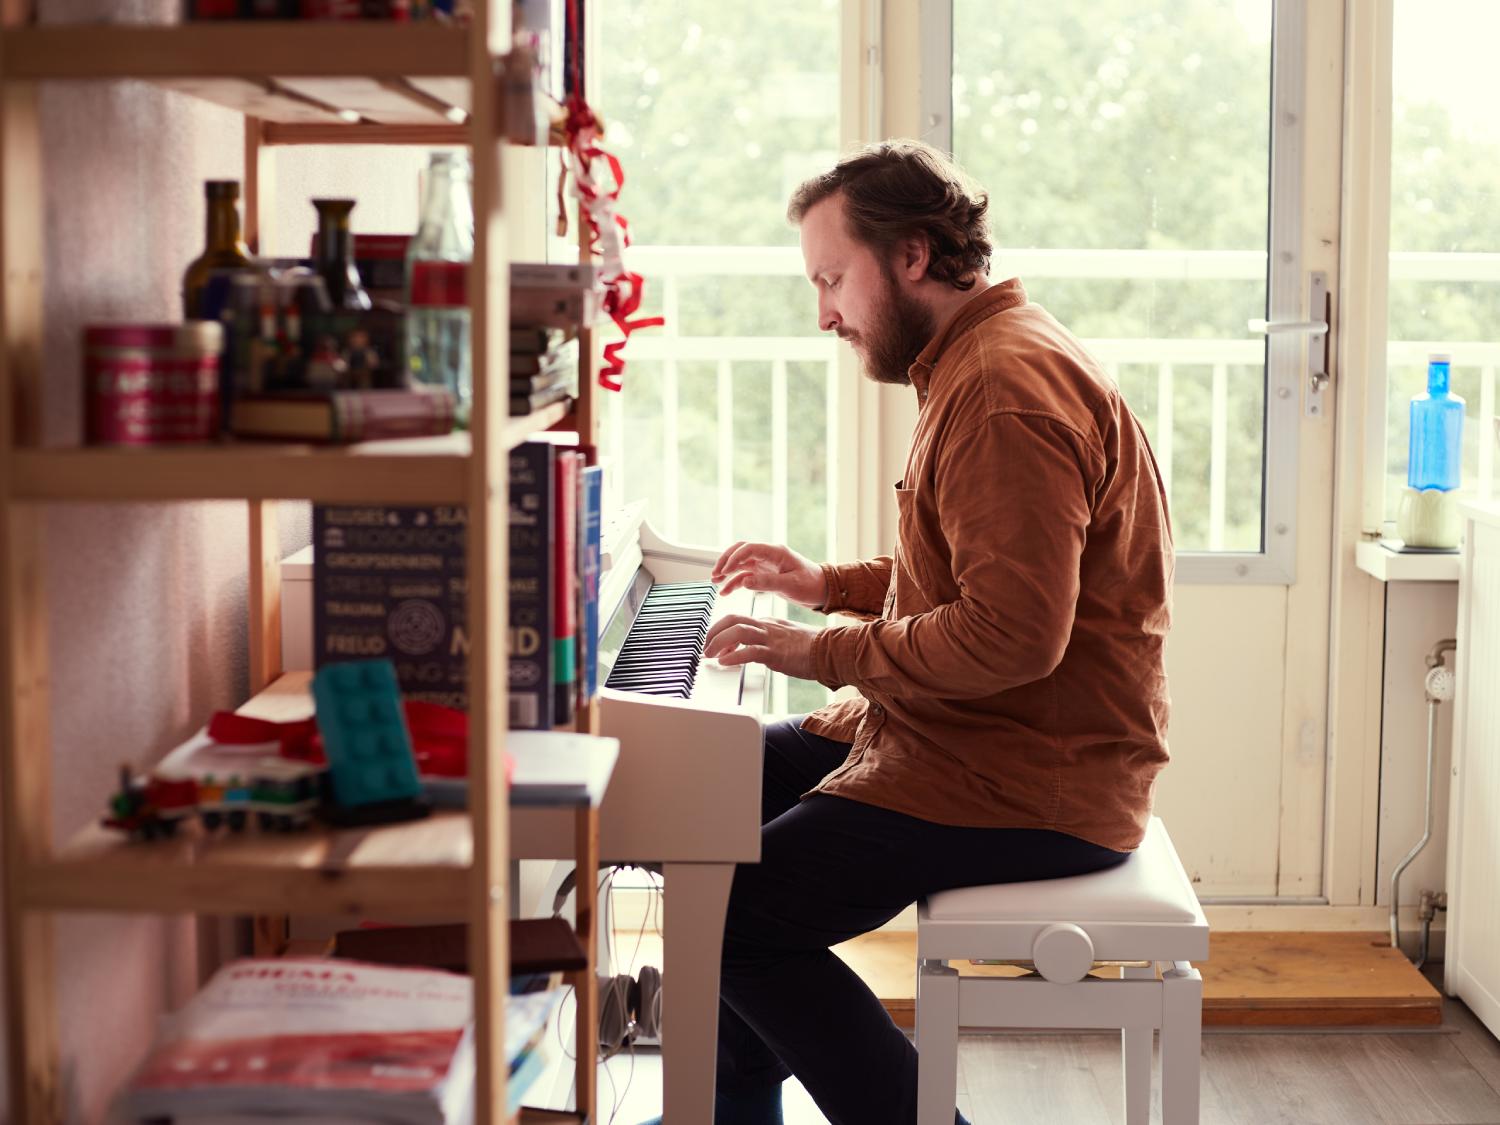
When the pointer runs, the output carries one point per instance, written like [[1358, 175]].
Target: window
[[1444, 292], [727, 423], [1129, 152]]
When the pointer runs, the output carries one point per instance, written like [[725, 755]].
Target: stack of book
[[549, 303], [555, 499], [392, 582], [543, 368]]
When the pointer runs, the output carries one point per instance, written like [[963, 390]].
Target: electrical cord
[[618, 990]]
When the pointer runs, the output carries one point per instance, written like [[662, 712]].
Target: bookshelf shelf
[[235, 49], [420, 868], [416, 869], [343, 74], [408, 471], [412, 470]]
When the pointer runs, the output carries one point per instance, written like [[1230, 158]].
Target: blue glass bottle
[[1437, 425]]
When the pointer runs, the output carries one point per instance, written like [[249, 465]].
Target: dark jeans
[[831, 869]]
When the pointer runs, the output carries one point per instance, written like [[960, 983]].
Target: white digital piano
[[685, 792]]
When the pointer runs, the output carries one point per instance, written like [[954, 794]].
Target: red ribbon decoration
[[623, 288]]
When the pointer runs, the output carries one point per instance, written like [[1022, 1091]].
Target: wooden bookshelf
[[296, 83]]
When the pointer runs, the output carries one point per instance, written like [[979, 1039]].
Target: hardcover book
[[561, 358], [524, 404], [344, 416], [593, 498], [537, 340], [552, 275], [565, 587], [532, 531], [392, 582]]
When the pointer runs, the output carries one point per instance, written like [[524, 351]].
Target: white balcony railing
[[671, 268]]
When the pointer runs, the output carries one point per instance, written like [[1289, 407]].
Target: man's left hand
[[782, 646]]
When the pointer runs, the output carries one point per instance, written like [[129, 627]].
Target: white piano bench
[[1142, 911]]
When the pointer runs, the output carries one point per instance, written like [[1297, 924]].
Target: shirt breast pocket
[[918, 542]]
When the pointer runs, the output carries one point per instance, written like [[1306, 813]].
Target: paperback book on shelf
[[313, 1037]]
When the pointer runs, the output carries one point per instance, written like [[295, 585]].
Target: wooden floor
[[1249, 980], [1443, 1076], [1442, 1073], [1432, 1076]]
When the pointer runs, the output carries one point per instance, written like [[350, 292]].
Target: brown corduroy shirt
[[1011, 656]]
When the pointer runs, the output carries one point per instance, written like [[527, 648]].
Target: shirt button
[[875, 709]]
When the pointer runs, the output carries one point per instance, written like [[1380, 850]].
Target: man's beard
[[903, 326]]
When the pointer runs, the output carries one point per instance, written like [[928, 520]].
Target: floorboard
[[1249, 980]]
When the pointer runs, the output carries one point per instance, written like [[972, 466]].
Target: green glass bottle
[[335, 259], [224, 248]]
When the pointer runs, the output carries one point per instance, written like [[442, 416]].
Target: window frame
[[1288, 284]]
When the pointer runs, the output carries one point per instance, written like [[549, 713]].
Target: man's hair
[[906, 189]]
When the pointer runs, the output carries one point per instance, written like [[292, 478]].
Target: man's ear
[[913, 255]]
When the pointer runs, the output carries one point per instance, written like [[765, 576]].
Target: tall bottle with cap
[[224, 250], [437, 270], [1428, 515]]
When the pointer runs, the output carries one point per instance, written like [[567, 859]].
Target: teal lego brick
[[364, 733]]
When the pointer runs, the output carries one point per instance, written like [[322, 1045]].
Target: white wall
[[1417, 616]]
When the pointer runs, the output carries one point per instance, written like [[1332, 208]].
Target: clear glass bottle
[[224, 249], [1437, 424], [437, 271]]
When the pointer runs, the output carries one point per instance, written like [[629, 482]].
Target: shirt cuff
[[838, 591], [825, 653]]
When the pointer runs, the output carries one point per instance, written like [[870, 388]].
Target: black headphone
[[629, 1009]]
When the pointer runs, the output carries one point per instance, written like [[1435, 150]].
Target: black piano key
[[664, 646]]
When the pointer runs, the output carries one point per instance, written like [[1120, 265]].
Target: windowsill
[[1382, 563]]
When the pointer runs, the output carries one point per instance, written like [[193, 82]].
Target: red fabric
[[439, 737]]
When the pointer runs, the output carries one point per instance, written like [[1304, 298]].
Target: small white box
[[296, 611]]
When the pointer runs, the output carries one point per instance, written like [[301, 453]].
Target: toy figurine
[[148, 807]]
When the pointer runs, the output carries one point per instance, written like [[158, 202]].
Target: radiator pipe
[[1438, 687]]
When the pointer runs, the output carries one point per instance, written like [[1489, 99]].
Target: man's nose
[[828, 317]]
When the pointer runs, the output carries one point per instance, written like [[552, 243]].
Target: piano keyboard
[[664, 647]]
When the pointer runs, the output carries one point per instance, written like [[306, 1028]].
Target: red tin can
[[151, 384]]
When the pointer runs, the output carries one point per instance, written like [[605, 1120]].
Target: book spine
[[551, 275], [532, 530], [565, 588], [593, 499], [553, 308]]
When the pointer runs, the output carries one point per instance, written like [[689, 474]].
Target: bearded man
[[1011, 708]]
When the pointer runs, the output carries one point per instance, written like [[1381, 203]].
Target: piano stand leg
[[697, 897]]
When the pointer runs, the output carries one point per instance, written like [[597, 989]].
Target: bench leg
[[1135, 1054], [1181, 1043], [937, 1043]]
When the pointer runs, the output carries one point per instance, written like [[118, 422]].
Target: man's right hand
[[772, 569]]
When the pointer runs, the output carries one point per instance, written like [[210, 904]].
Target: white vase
[[1428, 517]]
